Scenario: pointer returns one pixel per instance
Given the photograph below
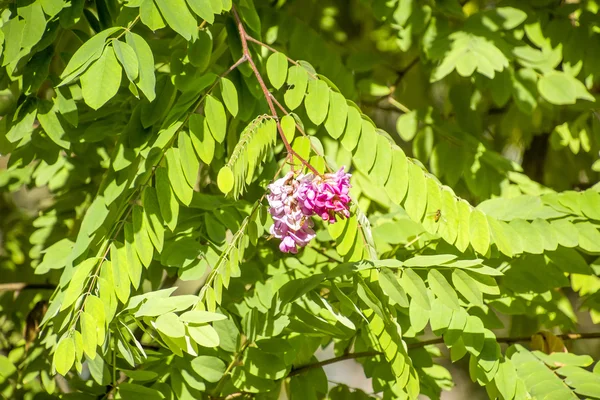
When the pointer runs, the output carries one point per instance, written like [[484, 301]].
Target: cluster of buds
[[294, 199]]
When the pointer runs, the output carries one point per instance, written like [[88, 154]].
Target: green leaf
[[474, 335], [468, 53], [531, 238], [90, 336], [560, 88], [566, 233], [128, 59], [202, 140], [189, 161], [75, 288], [479, 232], [169, 207], [95, 308], [406, 125], [365, 153], [146, 79], [277, 69], [35, 23], [468, 287], [132, 391], [440, 316], [53, 127], [500, 236], [463, 235], [150, 15], [89, 52], [209, 368], [388, 281], [288, 125], [102, 80], [182, 189], [383, 163], [143, 244], [177, 15], [201, 317], [64, 355], [225, 180], [506, 379], [397, 183], [118, 258], [170, 325], [154, 226], [416, 200], [337, 114], [200, 50], [264, 365], [297, 81], [230, 96], [589, 202], [203, 9], [353, 129], [204, 335], [415, 287], [216, 118], [442, 289], [429, 261], [317, 101]]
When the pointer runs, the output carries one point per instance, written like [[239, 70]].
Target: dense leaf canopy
[[138, 138]]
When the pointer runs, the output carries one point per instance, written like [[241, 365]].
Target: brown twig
[[350, 356], [232, 364], [244, 37], [440, 340], [18, 286], [312, 146]]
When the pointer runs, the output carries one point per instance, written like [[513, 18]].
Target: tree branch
[[18, 286], [350, 356], [246, 53], [440, 340]]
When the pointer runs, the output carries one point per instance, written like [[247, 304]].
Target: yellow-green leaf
[[64, 356], [297, 80], [216, 118], [225, 180], [277, 69], [230, 96], [416, 200], [90, 336], [479, 232], [288, 125]]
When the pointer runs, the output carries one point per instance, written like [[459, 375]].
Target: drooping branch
[[18, 286], [440, 340], [246, 53], [349, 356]]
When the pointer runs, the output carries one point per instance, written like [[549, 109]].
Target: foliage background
[[138, 141]]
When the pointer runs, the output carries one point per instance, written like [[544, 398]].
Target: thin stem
[[232, 364], [271, 49], [313, 148], [516, 339], [351, 356], [440, 340], [246, 53], [131, 24], [118, 228], [18, 286]]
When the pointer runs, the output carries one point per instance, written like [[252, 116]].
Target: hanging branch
[[244, 37], [440, 340]]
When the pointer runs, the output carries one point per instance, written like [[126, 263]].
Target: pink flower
[[326, 196], [291, 225], [293, 200]]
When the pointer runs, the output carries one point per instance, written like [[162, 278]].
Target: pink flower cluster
[[294, 199]]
